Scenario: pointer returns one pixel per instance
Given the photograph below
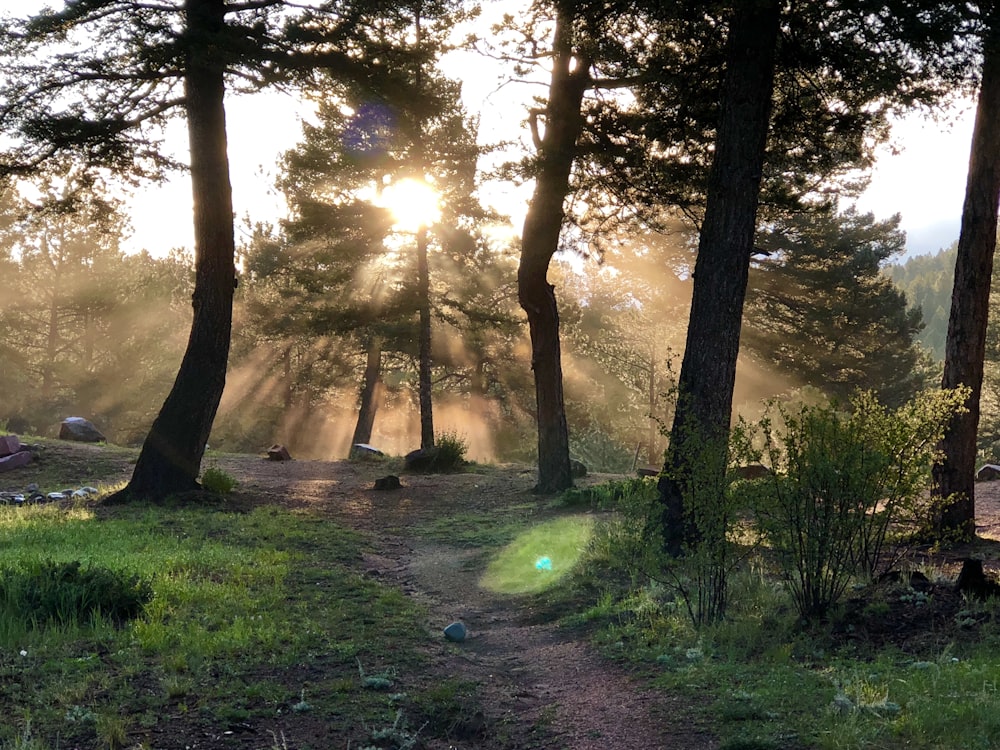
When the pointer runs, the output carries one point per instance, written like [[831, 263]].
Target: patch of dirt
[[540, 686]]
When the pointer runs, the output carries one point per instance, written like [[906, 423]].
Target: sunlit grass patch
[[539, 557]]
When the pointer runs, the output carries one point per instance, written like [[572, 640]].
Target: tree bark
[[171, 455], [539, 242], [708, 369], [370, 393], [965, 347], [424, 341]]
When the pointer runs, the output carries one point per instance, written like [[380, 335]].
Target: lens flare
[[526, 565]]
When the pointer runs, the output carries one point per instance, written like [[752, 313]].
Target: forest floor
[[539, 684], [544, 684]]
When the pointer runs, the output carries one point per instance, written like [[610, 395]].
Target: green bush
[[50, 592], [218, 481], [451, 450], [845, 481]]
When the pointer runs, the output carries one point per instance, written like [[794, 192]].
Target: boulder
[[15, 460], [9, 444], [278, 453], [988, 473], [752, 471], [363, 450], [421, 459], [390, 482], [80, 430]]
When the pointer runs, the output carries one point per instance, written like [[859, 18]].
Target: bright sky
[[924, 181]]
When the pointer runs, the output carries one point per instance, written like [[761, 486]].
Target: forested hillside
[[927, 280]]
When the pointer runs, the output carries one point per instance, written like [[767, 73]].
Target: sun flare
[[413, 203]]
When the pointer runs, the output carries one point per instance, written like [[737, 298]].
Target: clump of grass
[[218, 481], [48, 592], [610, 495]]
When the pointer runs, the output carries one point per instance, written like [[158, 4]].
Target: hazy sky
[[924, 181]]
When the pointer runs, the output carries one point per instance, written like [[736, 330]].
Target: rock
[[988, 473], [752, 471], [363, 450], [9, 444], [390, 482], [648, 471], [15, 460], [80, 430], [577, 469], [278, 453], [79, 494], [421, 459], [456, 632], [55, 496], [90, 490]]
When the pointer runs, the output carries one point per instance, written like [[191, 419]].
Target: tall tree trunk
[[654, 426], [370, 393], [965, 347], [539, 242], [708, 369], [51, 347], [424, 340], [171, 455]]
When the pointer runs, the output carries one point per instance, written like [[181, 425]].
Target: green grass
[[248, 611], [538, 557], [762, 681]]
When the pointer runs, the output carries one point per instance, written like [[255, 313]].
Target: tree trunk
[[539, 241], [171, 455], [654, 426], [424, 365], [708, 369], [965, 346], [370, 393]]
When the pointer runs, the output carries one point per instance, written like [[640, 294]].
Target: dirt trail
[[541, 686]]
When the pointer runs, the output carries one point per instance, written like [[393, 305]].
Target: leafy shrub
[[844, 482], [50, 592], [218, 481], [710, 548], [451, 450]]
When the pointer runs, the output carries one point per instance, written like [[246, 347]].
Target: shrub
[[50, 592], [218, 481], [844, 482], [710, 500], [451, 450]]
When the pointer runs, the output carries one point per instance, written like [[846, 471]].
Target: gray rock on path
[[80, 430], [456, 632]]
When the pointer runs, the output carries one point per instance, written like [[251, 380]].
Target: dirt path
[[541, 686]]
